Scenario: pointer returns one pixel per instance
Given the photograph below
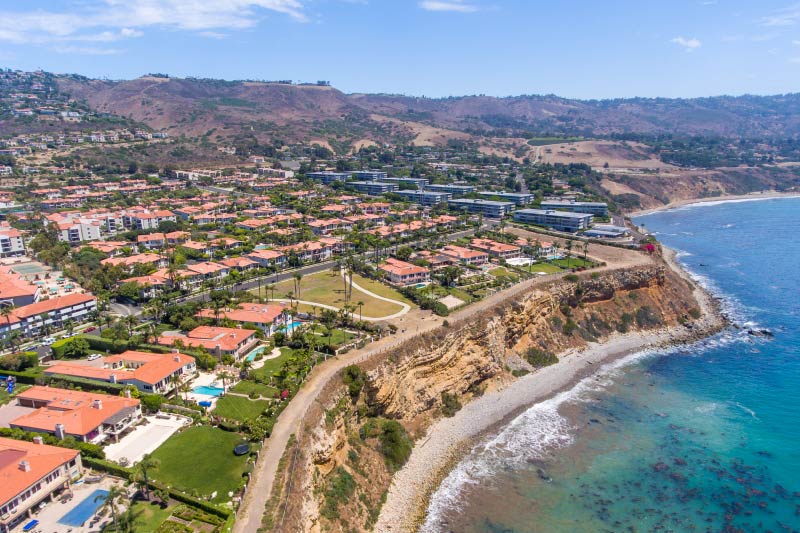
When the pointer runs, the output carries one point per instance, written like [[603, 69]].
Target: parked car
[[48, 341], [94, 357], [90, 328]]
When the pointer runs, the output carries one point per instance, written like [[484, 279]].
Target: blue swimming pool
[[252, 355], [288, 329], [84, 510], [208, 390]]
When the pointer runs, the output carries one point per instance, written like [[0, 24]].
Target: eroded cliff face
[[462, 360]]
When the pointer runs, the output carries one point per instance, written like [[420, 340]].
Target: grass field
[[545, 267], [150, 516], [503, 274], [246, 387], [327, 288], [239, 408], [572, 262], [201, 459], [272, 365]]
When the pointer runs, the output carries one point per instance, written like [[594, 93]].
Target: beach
[[449, 439], [753, 196]]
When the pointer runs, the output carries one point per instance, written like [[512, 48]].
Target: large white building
[[11, 243]]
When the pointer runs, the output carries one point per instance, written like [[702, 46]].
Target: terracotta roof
[[154, 367], [249, 312], [74, 409], [210, 337], [53, 304], [42, 459], [401, 268]]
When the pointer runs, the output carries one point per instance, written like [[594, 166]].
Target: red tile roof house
[[87, 416], [465, 255], [314, 251], [149, 372], [151, 241], [219, 341], [240, 264], [268, 317], [152, 284], [208, 270], [30, 473], [128, 262], [267, 258], [496, 249], [403, 274], [30, 319]]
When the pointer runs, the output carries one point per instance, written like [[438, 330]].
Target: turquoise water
[[698, 438], [289, 328], [252, 355], [208, 390], [84, 510]]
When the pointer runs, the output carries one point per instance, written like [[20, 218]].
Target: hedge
[[105, 345], [109, 467], [86, 384], [182, 497], [26, 376]]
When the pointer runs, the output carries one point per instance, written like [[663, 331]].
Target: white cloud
[[788, 16], [113, 20], [459, 6], [688, 44]]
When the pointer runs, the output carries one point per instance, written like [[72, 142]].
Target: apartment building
[[487, 208], [29, 320], [598, 209], [558, 220]]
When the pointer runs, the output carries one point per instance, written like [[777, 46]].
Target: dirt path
[[409, 326]]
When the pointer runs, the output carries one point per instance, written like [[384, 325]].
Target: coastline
[[753, 196], [448, 440]]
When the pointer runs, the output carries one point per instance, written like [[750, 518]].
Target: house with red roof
[[270, 317], [236, 342], [403, 274]]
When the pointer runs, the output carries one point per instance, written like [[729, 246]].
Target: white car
[[94, 357], [48, 341]]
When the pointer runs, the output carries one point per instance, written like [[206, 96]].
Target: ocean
[[702, 437]]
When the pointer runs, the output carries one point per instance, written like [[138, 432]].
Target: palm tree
[[246, 366], [131, 322], [269, 288], [7, 311], [297, 277], [360, 306], [569, 252], [585, 250], [224, 376], [147, 463], [110, 501]]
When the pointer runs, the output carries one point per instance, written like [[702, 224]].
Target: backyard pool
[[288, 329], [252, 355], [84, 510], [208, 390]]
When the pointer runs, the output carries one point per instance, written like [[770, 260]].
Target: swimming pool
[[288, 329], [252, 355], [84, 510], [208, 390]]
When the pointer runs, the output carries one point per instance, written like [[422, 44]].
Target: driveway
[[145, 438]]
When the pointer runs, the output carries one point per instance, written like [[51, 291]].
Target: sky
[[573, 48]]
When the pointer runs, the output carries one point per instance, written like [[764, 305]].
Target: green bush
[[72, 348], [102, 344], [170, 526], [341, 488], [28, 377], [70, 382], [571, 277], [450, 404], [355, 379], [569, 327], [538, 358], [395, 444], [19, 361], [192, 501], [107, 466], [647, 318], [152, 402]]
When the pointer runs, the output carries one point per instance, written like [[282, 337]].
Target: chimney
[[38, 440], [177, 358], [97, 404], [127, 393], [25, 466], [175, 350], [60, 434]]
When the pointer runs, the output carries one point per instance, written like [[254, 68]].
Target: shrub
[[624, 325], [341, 487], [72, 348], [19, 361], [646, 317], [395, 444], [538, 358], [152, 402], [107, 466], [101, 344], [571, 277], [695, 313], [569, 327], [450, 404], [355, 378]]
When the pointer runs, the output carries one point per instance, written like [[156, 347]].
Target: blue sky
[[583, 49]]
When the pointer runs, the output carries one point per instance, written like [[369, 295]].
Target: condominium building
[[519, 198], [370, 175], [598, 209], [327, 177], [11, 243], [487, 208], [30, 319], [558, 220], [455, 190], [424, 197], [373, 188]]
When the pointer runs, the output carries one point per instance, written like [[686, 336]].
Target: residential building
[[420, 183], [500, 250], [87, 416], [269, 317], [424, 197], [32, 473], [267, 258], [328, 177], [372, 188], [465, 256], [487, 208], [15, 290], [606, 231], [598, 209], [402, 274], [370, 175], [219, 341], [11, 243], [455, 190], [30, 319], [558, 220], [518, 198], [151, 373]]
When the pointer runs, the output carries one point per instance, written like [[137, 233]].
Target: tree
[[569, 252], [297, 277], [360, 306], [110, 502], [7, 311], [224, 376], [404, 253], [585, 250], [147, 463]]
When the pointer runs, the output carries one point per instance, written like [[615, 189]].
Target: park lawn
[[246, 387], [272, 365], [503, 274], [380, 289], [201, 459], [150, 516], [545, 267], [239, 408], [327, 288], [338, 336], [573, 262]]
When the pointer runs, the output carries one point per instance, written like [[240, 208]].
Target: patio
[[145, 438]]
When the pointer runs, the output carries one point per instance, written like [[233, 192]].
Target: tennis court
[[29, 268]]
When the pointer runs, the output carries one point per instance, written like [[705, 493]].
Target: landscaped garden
[[239, 408]]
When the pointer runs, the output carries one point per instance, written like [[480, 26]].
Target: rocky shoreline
[[448, 440]]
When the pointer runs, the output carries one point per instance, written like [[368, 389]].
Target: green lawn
[[572, 262], [247, 386], [239, 408], [503, 274], [545, 267], [272, 365], [327, 288], [150, 516], [201, 459], [338, 336]]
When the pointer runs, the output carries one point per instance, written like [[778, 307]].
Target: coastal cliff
[[366, 423]]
